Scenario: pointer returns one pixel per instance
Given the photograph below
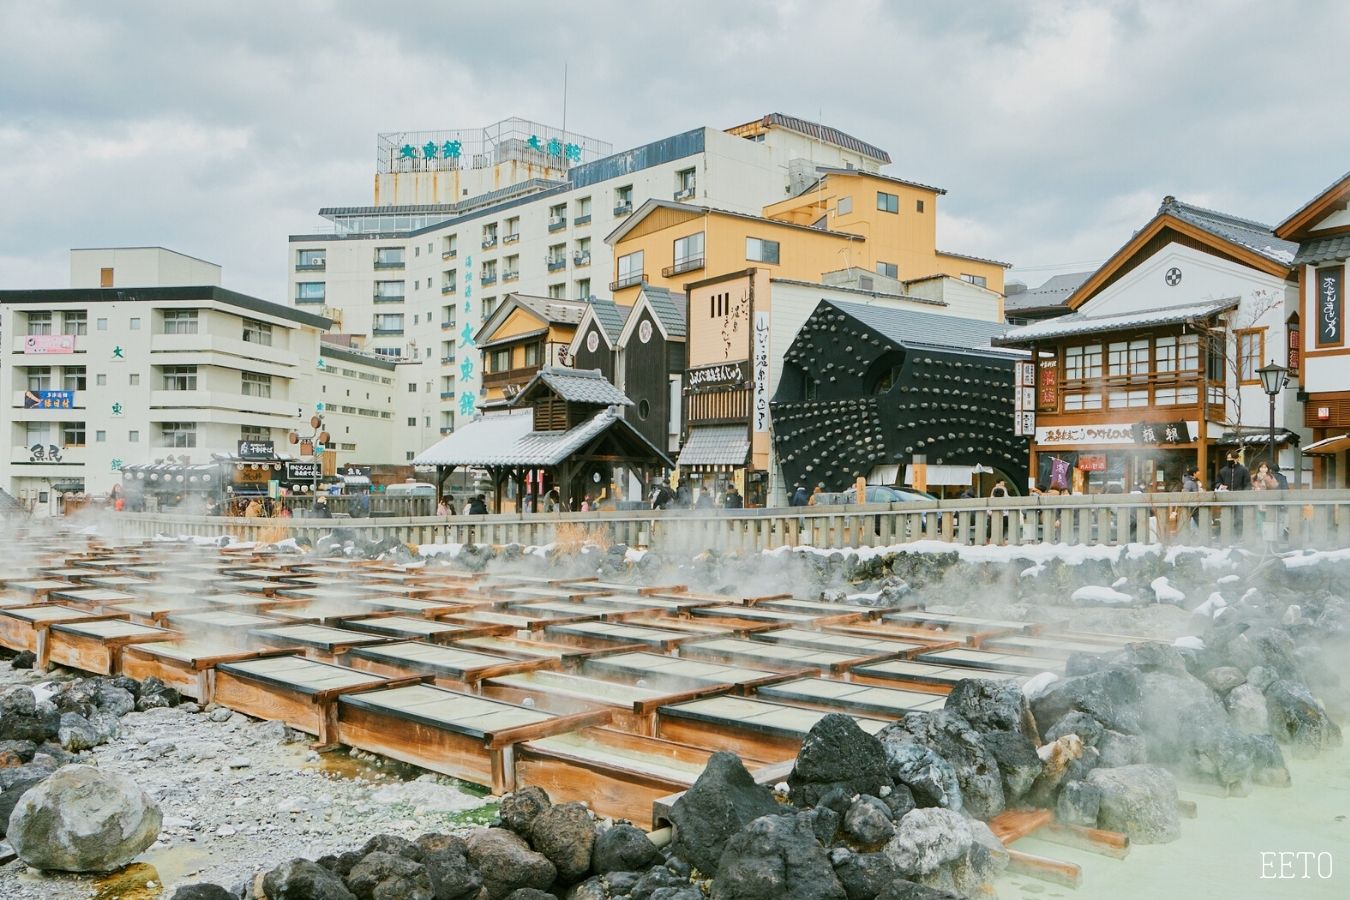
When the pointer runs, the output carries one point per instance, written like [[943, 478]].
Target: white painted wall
[[140, 267]]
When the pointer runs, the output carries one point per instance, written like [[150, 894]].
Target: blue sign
[[48, 399]]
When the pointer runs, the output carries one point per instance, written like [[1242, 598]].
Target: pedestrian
[[253, 510], [1190, 479], [1264, 480], [551, 501], [1279, 477], [704, 500], [478, 505], [732, 499], [587, 504], [799, 497], [321, 510], [1234, 475], [683, 495], [444, 505], [661, 496], [815, 495], [967, 494]]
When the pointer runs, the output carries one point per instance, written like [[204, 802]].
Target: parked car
[[884, 493]]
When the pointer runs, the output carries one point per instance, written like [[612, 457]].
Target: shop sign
[[720, 375], [49, 343], [48, 399], [1116, 433], [1024, 423], [1330, 306], [302, 471], [257, 449], [1026, 374], [1095, 462], [356, 471], [1162, 433], [761, 358], [1295, 349], [252, 476], [1047, 386]]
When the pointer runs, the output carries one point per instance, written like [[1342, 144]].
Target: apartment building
[[522, 208], [136, 362]]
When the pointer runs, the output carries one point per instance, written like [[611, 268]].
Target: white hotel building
[[146, 355], [461, 219]]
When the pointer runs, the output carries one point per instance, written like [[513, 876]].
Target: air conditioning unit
[[581, 259], [685, 194]]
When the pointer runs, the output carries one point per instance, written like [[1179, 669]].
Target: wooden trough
[[634, 708], [986, 660], [654, 669], [25, 627], [319, 642], [845, 642], [768, 615], [186, 665], [405, 627], [758, 654], [850, 697], [609, 634], [89, 597], [518, 648], [758, 729], [96, 645], [923, 676], [453, 667], [1047, 645], [37, 589]]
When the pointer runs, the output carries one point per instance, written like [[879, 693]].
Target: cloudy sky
[[220, 128]]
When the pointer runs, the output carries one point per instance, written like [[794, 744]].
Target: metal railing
[[1280, 520]]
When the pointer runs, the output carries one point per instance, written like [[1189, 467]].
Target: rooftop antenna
[[564, 122]]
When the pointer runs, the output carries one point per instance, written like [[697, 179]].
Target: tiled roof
[[1077, 323], [1255, 236], [715, 445], [983, 259], [610, 317], [921, 329], [668, 307], [576, 386], [827, 134], [566, 312], [508, 439], [1320, 194], [1051, 294], [1315, 251]]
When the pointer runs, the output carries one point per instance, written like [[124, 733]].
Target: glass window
[[685, 182], [583, 289], [102, 324], [134, 323], [511, 267], [1216, 355], [1134, 397], [388, 323], [1249, 348], [254, 384], [100, 436], [557, 291], [758, 250], [180, 378], [39, 379], [449, 245], [623, 199], [101, 380], [254, 433], [918, 206], [178, 434], [309, 292], [533, 354], [75, 321], [37, 433], [180, 321], [889, 269], [489, 306], [310, 259], [72, 434], [501, 360], [134, 379], [583, 208], [73, 378], [843, 206], [133, 437], [389, 290], [977, 280], [689, 251], [630, 269], [39, 322], [888, 202], [256, 332], [389, 256], [1081, 401]]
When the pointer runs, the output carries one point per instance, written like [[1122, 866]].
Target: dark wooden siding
[[602, 358], [647, 369]]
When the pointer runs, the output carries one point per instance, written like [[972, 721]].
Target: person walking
[[478, 505], [799, 497], [661, 496], [444, 506], [815, 495], [732, 499]]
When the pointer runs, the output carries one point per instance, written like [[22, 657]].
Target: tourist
[[1233, 476], [661, 496], [704, 500], [732, 499], [444, 505], [478, 505], [551, 501], [253, 510], [1264, 480], [683, 495], [799, 497], [321, 510], [815, 495]]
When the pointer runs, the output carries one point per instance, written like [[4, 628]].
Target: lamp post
[[1273, 379]]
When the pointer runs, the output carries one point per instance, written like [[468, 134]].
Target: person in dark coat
[[321, 510], [661, 497], [799, 496], [684, 497], [478, 506], [732, 499], [1234, 475]]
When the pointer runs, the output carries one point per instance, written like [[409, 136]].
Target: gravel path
[[240, 797]]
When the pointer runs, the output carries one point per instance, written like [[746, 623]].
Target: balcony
[[685, 193], [312, 266], [449, 254], [448, 360], [557, 223], [386, 332], [582, 220], [510, 376], [488, 278], [627, 281], [581, 258], [446, 429], [389, 264], [510, 276], [447, 395], [556, 263], [448, 324], [310, 301], [448, 288], [489, 242], [511, 238], [688, 264], [389, 298], [624, 208]]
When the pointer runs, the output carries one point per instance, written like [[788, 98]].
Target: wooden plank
[[1014, 824], [1108, 843], [1045, 869]]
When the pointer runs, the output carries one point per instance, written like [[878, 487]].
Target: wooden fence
[[1285, 519]]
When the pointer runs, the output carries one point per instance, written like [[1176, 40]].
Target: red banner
[[1047, 386]]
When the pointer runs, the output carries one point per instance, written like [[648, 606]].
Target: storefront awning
[[716, 445], [1328, 446], [944, 475], [1257, 438]]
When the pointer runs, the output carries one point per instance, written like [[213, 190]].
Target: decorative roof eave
[[1089, 288], [1073, 326], [1295, 228]]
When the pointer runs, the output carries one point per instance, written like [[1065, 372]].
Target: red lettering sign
[[1047, 386]]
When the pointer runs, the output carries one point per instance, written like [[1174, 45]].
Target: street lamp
[[1273, 379]]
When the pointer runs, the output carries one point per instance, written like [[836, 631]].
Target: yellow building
[[522, 336], [846, 219]]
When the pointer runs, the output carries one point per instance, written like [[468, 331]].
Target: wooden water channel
[[611, 693]]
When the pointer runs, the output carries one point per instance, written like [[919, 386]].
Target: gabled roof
[[508, 439], [548, 310], [1334, 194], [1079, 324], [667, 308], [1243, 240], [983, 259], [921, 330], [819, 132], [827, 171], [586, 386], [610, 316], [1314, 250], [1050, 295]]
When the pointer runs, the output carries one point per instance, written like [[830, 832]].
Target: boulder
[[76, 733], [530, 894], [720, 803], [1152, 656], [1079, 723], [928, 777], [1268, 766], [565, 834], [9, 798], [926, 839], [656, 880], [776, 858], [22, 718], [992, 706], [1109, 695], [452, 876], [24, 659], [1296, 718], [868, 821], [1057, 757], [83, 820], [1247, 711], [623, 848], [909, 890], [205, 891], [837, 752], [387, 876], [952, 738], [899, 800], [864, 875], [1222, 679], [1078, 804], [1118, 749], [824, 823], [302, 879], [16, 753], [519, 808], [1018, 764], [115, 700], [393, 845], [1140, 801], [506, 862]]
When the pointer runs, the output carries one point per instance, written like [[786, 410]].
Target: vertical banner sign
[[761, 364], [1047, 386], [1295, 349], [1330, 306]]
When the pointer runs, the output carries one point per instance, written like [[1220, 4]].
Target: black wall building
[[652, 354], [596, 345], [866, 386]]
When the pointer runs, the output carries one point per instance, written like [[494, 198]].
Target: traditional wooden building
[[523, 335], [1155, 368], [596, 343], [651, 365], [1318, 352], [867, 388]]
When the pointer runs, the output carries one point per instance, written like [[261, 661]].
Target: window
[[134, 379], [39, 322], [977, 280], [1250, 349], [630, 270], [180, 378], [887, 381], [39, 379], [890, 270], [623, 200], [255, 433], [583, 289], [918, 206], [105, 277], [581, 256], [557, 291], [100, 436], [557, 216], [489, 235], [1133, 397], [557, 257], [843, 206], [389, 291], [101, 380], [389, 257], [511, 268], [309, 292], [1216, 355], [255, 384], [489, 273], [888, 202], [134, 323], [310, 259], [1175, 396], [35, 433], [810, 388], [412, 421], [500, 360], [685, 184], [1127, 358], [512, 230], [178, 434], [256, 332], [1082, 362], [184, 321], [758, 250], [644, 409], [583, 209], [1081, 401], [387, 323], [73, 378], [75, 322], [1177, 353], [72, 434], [393, 352], [688, 254], [449, 246], [133, 437], [534, 353]]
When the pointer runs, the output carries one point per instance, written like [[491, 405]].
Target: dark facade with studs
[[866, 386]]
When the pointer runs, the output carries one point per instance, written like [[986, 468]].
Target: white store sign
[[760, 359], [1087, 435]]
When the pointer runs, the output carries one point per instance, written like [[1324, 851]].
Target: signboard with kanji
[[1047, 385], [48, 399], [1330, 306]]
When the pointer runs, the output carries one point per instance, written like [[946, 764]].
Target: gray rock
[[776, 858], [1246, 707], [1261, 677], [930, 779], [1018, 764], [1152, 656], [837, 752], [565, 834], [18, 701], [41, 766], [720, 803], [868, 821], [1118, 749], [393, 845], [9, 798], [76, 733], [447, 860], [899, 800], [909, 890], [116, 701], [1109, 695], [1141, 801], [623, 848], [21, 750], [926, 839], [1222, 679], [1079, 723], [506, 862], [677, 893], [83, 820], [203, 892], [992, 706], [1268, 766], [864, 875], [591, 889], [1296, 718], [824, 823], [952, 738], [520, 808], [1079, 803], [303, 879], [387, 876]]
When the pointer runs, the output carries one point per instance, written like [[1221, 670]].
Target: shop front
[[1117, 457]]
